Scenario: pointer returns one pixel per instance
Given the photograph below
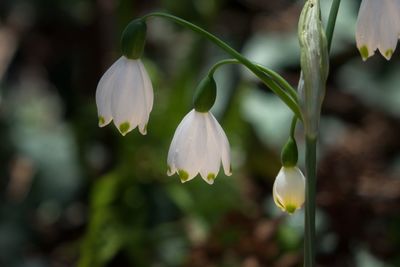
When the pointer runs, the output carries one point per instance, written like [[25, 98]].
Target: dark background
[[73, 194]]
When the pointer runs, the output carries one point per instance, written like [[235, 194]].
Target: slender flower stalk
[[286, 97], [125, 95], [378, 27], [277, 79], [199, 145], [314, 65]]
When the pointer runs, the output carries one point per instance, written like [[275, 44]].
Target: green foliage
[[112, 227]]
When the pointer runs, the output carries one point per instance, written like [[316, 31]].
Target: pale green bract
[[314, 64]]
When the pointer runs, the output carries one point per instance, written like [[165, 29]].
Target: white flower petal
[[378, 27], [188, 146], [173, 148], [389, 28], [148, 98], [192, 147], [103, 93], [148, 87], [212, 161], [223, 146], [277, 199], [127, 101], [366, 31]]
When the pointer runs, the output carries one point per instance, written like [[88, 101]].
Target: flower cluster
[[125, 95], [199, 145]]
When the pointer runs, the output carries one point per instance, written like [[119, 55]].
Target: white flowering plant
[[200, 147]]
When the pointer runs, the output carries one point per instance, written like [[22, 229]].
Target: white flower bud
[[289, 189]]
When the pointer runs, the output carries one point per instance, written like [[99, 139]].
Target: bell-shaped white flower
[[198, 146], [289, 189], [125, 95], [378, 27]]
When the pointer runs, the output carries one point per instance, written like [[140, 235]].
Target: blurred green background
[[73, 194]]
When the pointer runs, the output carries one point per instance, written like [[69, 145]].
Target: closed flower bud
[[314, 65], [289, 189]]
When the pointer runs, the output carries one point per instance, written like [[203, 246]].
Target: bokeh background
[[73, 194]]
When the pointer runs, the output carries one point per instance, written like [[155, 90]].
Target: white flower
[[125, 95], [289, 189], [378, 27], [199, 145]]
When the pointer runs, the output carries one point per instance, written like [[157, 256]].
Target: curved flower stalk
[[199, 145], [289, 189], [125, 95], [378, 27]]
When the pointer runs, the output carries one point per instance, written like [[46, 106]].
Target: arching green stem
[[285, 97], [276, 79]]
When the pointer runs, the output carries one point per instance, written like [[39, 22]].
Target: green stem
[[274, 76], [293, 127], [285, 97], [311, 166], [309, 216], [332, 22], [281, 81], [221, 63]]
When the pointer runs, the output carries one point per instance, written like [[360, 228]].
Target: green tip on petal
[[102, 121], [389, 53], [290, 209], [183, 175], [364, 52], [211, 177], [124, 128]]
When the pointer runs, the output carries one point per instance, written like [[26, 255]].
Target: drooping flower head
[[378, 27], [199, 145], [125, 93], [289, 186]]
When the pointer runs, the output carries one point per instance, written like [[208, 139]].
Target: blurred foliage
[[73, 194]]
